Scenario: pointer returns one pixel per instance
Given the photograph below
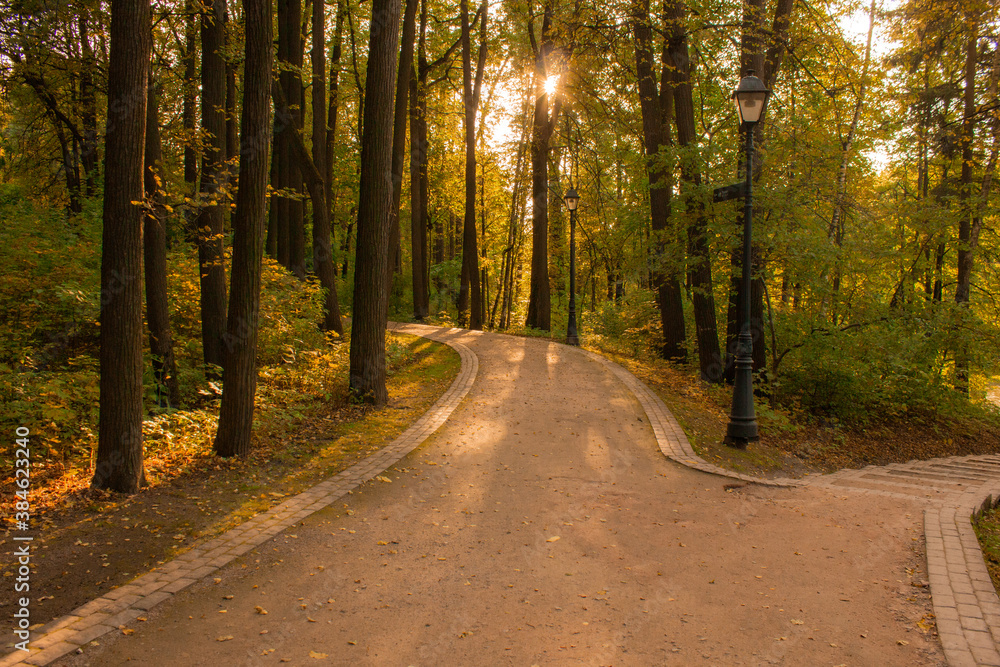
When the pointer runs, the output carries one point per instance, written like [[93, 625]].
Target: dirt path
[[541, 525]]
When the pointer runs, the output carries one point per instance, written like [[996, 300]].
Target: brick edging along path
[[124, 604]]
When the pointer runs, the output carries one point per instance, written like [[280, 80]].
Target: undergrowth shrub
[[630, 326]]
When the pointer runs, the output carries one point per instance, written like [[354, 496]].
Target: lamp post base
[[573, 340], [740, 434], [742, 428]]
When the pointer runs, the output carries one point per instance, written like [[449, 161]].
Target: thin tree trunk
[[656, 108], [210, 217], [543, 124], [154, 245], [290, 32], [331, 135], [240, 375], [470, 286], [367, 375], [118, 465], [322, 248], [232, 122], [400, 116], [418, 176], [189, 113], [700, 260], [90, 155]]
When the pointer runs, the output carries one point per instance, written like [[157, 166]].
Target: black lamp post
[[572, 199], [751, 101]]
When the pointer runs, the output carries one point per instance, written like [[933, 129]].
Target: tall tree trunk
[[154, 243], [470, 92], [90, 156], [290, 34], [699, 260], [240, 375], [322, 249], [367, 358], [399, 118], [189, 114], [232, 121], [657, 112], [543, 124], [118, 465], [271, 240], [211, 215], [965, 249], [418, 180], [317, 193], [331, 135]]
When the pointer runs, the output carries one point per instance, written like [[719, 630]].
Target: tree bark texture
[[189, 105], [322, 249], [89, 156], [154, 243], [334, 110], [249, 222], [367, 375], [290, 34], [656, 107], [471, 289], [118, 465], [419, 220], [399, 118], [965, 250], [543, 124], [699, 255], [213, 173]]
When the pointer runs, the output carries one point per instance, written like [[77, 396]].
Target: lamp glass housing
[[572, 199], [751, 98]]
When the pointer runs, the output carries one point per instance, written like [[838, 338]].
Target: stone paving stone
[[90, 634], [152, 600], [52, 638], [178, 585], [12, 659], [45, 656], [124, 617]]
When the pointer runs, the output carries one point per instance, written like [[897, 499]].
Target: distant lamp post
[[751, 102], [572, 199]]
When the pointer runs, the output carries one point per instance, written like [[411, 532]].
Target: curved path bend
[[530, 517]]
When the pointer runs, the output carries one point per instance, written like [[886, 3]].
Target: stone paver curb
[[126, 603], [669, 434], [966, 605]]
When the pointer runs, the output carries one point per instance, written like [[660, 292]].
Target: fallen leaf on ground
[[224, 638], [554, 538], [317, 655], [260, 610]]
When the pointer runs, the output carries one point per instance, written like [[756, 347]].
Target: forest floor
[[89, 542], [541, 525]]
